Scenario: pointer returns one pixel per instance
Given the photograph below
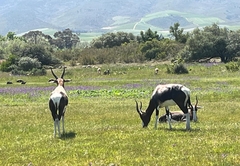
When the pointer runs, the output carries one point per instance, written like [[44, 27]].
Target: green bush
[[177, 69], [232, 66], [33, 72], [38, 72], [6, 65], [87, 60], [27, 63]]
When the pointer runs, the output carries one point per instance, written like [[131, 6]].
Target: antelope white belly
[[167, 103]]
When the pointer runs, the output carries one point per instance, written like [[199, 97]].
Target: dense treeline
[[32, 52]]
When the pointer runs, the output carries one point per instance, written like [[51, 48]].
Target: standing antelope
[[58, 101], [165, 96]]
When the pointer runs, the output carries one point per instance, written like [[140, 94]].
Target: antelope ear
[[51, 80], [67, 80], [200, 107], [189, 107]]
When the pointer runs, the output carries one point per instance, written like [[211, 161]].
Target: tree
[[149, 35], [208, 43], [5, 65], [178, 33], [2, 38], [37, 51], [11, 35], [110, 40], [65, 39], [153, 50], [233, 44], [220, 47], [27, 63], [37, 37]]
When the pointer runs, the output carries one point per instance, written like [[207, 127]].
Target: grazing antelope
[[58, 101], [165, 96], [178, 116], [106, 72], [21, 81], [99, 70]]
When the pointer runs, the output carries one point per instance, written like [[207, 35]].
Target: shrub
[[6, 65], [180, 69], [18, 72], [65, 55], [38, 72], [27, 63], [33, 72], [87, 60], [177, 69], [232, 66]]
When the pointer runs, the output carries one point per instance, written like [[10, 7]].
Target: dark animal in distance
[[106, 72], [21, 81]]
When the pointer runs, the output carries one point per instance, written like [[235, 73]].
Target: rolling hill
[[100, 16]]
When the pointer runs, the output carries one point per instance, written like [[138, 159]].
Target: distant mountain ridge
[[104, 15]]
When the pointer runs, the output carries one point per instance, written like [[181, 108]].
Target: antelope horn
[[54, 74], [138, 110], [196, 101], [63, 72], [140, 106]]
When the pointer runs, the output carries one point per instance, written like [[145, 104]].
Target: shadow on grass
[[68, 135], [180, 129]]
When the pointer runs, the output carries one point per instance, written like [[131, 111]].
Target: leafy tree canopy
[[210, 42], [178, 33], [65, 39], [149, 35], [110, 40]]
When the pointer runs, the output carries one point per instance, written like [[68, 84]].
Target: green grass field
[[103, 127]]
